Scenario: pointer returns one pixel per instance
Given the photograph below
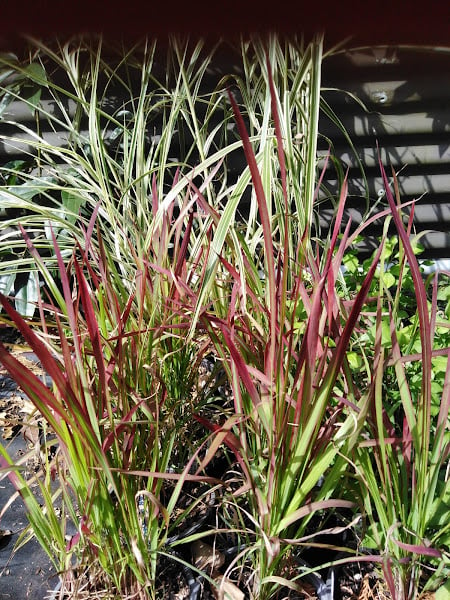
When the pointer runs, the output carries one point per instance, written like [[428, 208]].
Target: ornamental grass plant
[[139, 267], [297, 411], [102, 125], [119, 408], [402, 465], [99, 220], [90, 147]]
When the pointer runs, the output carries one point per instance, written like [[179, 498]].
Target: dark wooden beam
[[379, 22]]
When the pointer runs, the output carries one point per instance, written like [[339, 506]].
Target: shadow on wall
[[397, 98]]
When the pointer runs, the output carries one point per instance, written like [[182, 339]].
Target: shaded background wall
[[405, 92]]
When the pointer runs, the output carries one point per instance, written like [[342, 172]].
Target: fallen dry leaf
[[226, 590], [205, 557]]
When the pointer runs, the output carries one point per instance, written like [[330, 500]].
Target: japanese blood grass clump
[[297, 412], [403, 465], [123, 374], [155, 270]]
